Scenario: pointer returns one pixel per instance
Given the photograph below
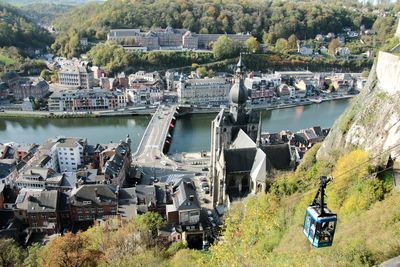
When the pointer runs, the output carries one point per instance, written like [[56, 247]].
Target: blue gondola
[[319, 222]]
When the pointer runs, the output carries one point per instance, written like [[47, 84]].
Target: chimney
[[76, 185], [95, 191], [191, 198]]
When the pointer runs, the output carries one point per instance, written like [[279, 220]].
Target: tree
[[281, 45], [150, 221], [10, 253], [252, 45], [33, 259], [201, 72], [333, 45], [70, 250], [292, 42], [224, 47]]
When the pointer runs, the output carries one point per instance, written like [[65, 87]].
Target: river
[[192, 132]]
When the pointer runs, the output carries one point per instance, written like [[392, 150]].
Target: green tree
[[33, 259], [281, 46], [252, 45], [292, 42], [150, 221], [224, 47], [10, 253], [201, 72]]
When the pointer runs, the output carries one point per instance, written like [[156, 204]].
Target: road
[[149, 156], [150, 149]]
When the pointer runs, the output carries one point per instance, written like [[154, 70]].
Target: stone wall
[[388, 72]]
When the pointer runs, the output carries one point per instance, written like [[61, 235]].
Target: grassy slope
[[266, 230]]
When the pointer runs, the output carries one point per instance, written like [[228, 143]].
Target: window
[[79, 210], [71, 149], [80, 217]]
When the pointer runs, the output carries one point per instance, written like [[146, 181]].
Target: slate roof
[[69, 142], [279, 156], [300, 138], [146, 193], [318, 131], [243, 141], [45, 202], [184, 195], [127, 195], [239, 160], [114, 165], [100, 194], [44, 160]]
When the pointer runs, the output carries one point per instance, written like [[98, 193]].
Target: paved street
[[149, 156]]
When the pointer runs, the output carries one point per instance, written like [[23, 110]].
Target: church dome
[[238, 93]]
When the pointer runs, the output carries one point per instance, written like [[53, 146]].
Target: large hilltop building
[[240, 163], [167, 38]]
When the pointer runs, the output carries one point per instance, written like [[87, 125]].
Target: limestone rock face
[[372, 121]]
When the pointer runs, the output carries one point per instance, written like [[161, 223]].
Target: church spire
[[238, 94]]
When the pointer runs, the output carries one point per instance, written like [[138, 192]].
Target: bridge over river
[[150, 157]]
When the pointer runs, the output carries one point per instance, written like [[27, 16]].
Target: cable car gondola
[[319, 222]]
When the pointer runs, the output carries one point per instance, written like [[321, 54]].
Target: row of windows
[[89, 210]]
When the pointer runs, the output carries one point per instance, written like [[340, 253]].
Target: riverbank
[[191, 133], [149, 111]]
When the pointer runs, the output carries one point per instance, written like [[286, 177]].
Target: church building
[[239, 162]]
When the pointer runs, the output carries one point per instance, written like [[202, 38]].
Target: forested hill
[[19, 31], [266, 20], [64, 2], [45, 13]]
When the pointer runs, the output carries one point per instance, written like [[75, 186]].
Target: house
[[70, 153], [12, 79], [305, 50], [342, 51], [42, 212], [185, 209], [116, 167], [36, 88], [305, 87], [39, 179], [8, 171], [89, 202], [284, 90]]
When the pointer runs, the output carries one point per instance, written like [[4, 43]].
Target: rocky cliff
[[372, 121]]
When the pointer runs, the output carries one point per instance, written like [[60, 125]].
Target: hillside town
[[69, 184], [199, 133], [85, 88]]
